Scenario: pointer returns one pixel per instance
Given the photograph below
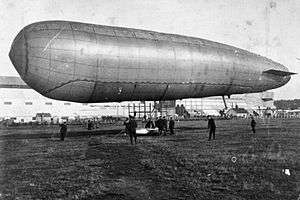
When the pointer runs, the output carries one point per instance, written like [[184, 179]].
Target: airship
[[90, 63]]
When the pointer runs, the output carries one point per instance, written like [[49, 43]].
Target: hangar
[[22, 103]]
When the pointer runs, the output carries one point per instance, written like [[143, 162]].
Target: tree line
[[287, 104]]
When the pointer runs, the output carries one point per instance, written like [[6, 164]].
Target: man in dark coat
[[127, 126], [171, 126], [165, 125], [132, 129], [90, 125], [212, 127], [159, 124], [63, 131], [253, 124], [156, 122]]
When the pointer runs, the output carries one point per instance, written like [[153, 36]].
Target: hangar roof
[[12, 82]]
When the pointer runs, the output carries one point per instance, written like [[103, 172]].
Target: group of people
[[162, 124]]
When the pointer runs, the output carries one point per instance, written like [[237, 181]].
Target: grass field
[[237, 165]]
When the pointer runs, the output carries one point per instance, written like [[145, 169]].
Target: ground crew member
[[171, 126], [63, 131], [212, 127], [90, 125], [132, 129], [160, 125], [253, 124], [156, 122], [149, 124], [165, 125], [127, 126]]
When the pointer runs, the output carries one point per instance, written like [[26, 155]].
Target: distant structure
[[12, 82], [237, 112], [23, 104], [255, 103]]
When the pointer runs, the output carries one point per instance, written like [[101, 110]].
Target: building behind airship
[[21, 103]]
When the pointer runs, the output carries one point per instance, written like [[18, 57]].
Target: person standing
[[160, 125], [211, 127], [132, 131], [253, 124], [127, 126], [165, 125], [90, 125], [63, 131], [171, 126], [156, 122]]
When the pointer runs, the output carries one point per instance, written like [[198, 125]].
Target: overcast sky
[[269, 28]]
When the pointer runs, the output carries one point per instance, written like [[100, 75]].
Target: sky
[[270, 28]]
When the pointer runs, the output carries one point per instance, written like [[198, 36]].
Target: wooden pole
[[128, 106], [145, 108], [139, 110]]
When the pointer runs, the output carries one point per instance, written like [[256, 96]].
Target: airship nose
[[276, 75], [18, 54], [285, 74]]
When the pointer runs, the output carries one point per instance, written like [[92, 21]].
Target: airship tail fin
[[278, 72]]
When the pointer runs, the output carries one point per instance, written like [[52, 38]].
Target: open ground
[[237, 165]]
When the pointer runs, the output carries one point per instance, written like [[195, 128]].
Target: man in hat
[[212, 128], [132, 129]]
